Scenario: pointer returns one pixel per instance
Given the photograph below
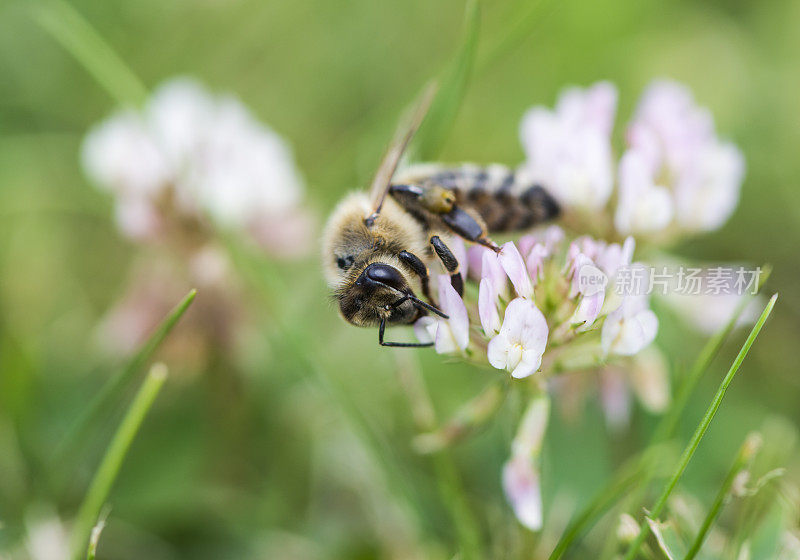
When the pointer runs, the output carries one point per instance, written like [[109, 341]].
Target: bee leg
[[382, 342], [450, 263], [419, 268]]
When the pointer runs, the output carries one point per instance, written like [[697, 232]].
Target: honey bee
[[377, 248]]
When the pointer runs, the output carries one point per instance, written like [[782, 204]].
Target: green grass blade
[[664, 430], [453, 86], [530, 15], [623, 482], [83, 42], [666, 427], [112, 461], [746, 453], [700, 431], [115, 385]]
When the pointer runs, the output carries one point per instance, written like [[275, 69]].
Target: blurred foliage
[[264, 457]]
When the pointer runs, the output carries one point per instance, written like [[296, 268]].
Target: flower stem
[[110, 465], [746, 452], [700, 431]]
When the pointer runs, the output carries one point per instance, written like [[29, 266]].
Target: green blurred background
[[274, 464]]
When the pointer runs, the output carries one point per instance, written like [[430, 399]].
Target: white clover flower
[[708, 192], [521, 480], [120, 155], [189, 154], [520, 344], [675, 141], [569, 150], [643, 206], [246, 172], [47, 537]]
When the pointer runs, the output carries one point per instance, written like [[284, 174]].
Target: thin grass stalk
[[83, 42], [700, 431], [116, 384], [748, 449], [444, 109], [625, 480], [112, 461], [668, 424], [664, 430]]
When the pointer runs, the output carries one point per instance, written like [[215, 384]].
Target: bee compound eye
[[344, 262]]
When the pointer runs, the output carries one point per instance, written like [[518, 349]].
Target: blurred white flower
[[649, 379], [189, 154], [676, 141], [522, 339], [708, 314], [521, 472], [569, 150], [47, 538], [646, 376], [629, 328], [121, 155], [643, 206]]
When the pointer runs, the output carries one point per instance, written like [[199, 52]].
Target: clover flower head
[[189, 154], [569, 149], [676, 170]]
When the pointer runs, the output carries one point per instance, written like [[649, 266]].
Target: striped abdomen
[[505, 201]]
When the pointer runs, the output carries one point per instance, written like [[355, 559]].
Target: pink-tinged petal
[[475, 261], [530, 433], [491, 269], [454, 307], [520, 474], [630, 328], [425, 329], [487, 308], [587, 311], [526, 243], [615, 399], [459, 250], [535, 261], [649, 379], [514, 266], [550, 238], [523, 491], [643, 206], [138, 218]]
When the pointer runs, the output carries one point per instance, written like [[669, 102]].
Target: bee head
[[379, 292]]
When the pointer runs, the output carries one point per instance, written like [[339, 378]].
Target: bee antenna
[[419, 303]]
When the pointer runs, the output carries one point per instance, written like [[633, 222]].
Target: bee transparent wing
[[383, 177]]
